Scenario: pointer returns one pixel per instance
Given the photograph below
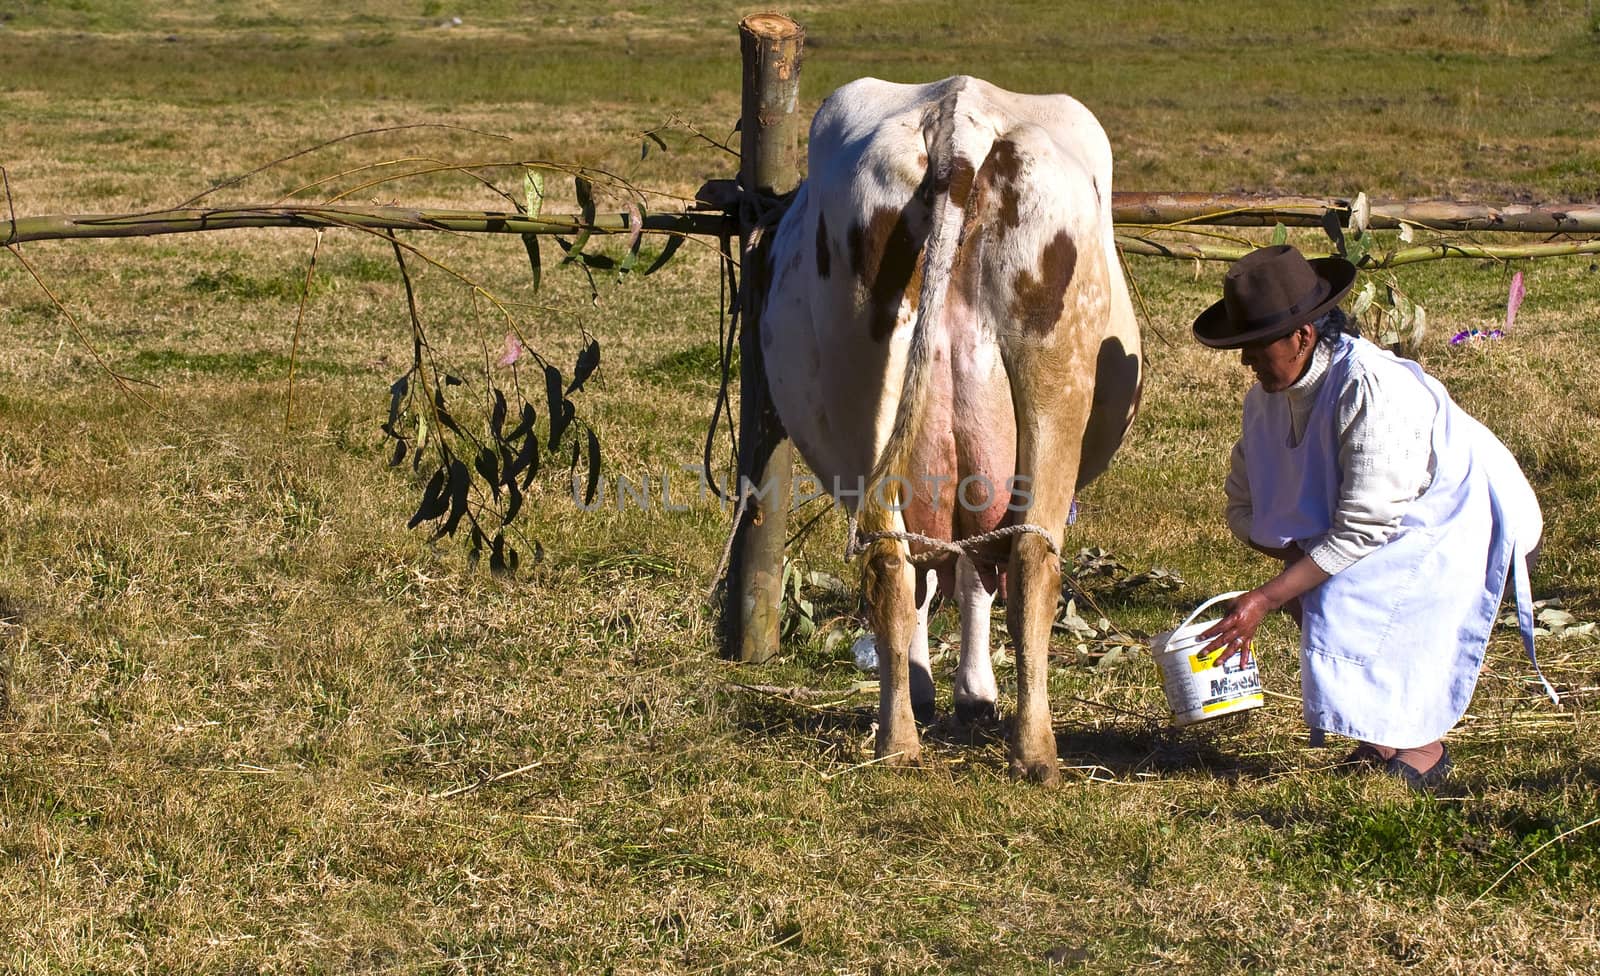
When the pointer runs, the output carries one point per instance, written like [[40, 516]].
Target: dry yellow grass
[[250, 723]]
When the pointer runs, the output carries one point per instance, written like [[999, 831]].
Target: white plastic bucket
[[1197, 689]]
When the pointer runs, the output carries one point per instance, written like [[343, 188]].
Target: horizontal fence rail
[[74, 226], [1135, 244], [1158, 211], [1258, 211]]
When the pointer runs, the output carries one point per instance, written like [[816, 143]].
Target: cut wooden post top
[[773, 26]]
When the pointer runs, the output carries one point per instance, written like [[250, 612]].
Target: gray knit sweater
[[1384, 422]]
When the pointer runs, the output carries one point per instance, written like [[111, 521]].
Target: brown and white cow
[[948, 329]]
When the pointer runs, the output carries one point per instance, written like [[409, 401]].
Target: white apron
[[1391, 647]]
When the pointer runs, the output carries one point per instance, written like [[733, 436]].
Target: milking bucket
[[1197, 688]]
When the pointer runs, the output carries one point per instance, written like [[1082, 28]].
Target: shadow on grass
[[769, 714], [1124, 751]]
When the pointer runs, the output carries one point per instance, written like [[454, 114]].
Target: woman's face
[[1280, 362]]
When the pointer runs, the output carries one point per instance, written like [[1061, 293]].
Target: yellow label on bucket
[[1218, 706], [1205, 662]]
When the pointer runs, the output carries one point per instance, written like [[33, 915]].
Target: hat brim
[[1213, 327]]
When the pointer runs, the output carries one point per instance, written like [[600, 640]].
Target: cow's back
[[1031, 262]]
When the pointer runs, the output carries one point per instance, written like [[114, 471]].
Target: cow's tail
[[889, 487]]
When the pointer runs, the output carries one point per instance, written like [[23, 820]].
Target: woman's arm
[[1234, 631], [1385, 423], [1237, 488]]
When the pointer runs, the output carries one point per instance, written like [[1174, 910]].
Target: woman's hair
[[1335, 323]]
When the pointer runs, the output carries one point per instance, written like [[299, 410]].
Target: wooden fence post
[[769, 165]]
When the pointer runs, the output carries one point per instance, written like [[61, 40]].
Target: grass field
[[249, 722]]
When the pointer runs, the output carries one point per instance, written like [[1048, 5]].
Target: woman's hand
[[1234, 632]]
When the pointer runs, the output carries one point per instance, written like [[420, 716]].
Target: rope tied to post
[[758, 212]]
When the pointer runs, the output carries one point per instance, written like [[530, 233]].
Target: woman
[[1397, 516]]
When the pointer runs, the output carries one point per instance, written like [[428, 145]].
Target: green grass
[[249, 722]]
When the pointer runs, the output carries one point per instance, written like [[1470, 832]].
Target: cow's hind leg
[[1047, 461], [890, 584], [1034, 582], [974, 689]]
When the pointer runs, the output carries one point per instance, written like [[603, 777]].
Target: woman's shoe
[[1363, 757], [1422, 780]]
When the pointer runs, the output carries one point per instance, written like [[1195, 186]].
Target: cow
[[949, 343]]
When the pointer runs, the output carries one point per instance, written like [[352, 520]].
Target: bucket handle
[[1211, 602]]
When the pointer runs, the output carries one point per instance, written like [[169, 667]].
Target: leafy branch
[[476, 446], [481, 473]]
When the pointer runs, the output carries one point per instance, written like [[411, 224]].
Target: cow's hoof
[[898, 750], [923, 712], [909, 757], [1042, 772], [975, 712]]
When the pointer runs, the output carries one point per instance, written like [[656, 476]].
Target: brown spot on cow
[[914, 285], [994, 194], [1039, 298], [886, 255], [960, 183], [824, 257], [1005, 166]]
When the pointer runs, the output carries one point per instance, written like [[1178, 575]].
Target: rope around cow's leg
[[858, 541]]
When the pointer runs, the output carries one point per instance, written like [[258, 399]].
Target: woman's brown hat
[[1269, 293]]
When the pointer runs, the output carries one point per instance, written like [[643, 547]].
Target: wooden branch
[[1247, 210], [74, 226], [1137, 244], [1170, 210]]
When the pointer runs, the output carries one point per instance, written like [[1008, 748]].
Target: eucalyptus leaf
[[531, 243], [397, 393], [1111, 658], [1419, 328], [433, 500], [1360, 214], [513, 502], [525, 422], [585, 193], [497, 415], [460, 481], [1357, 246], [488, 468], [1363, 299], [635, 236], [1330, 226], [1556, 618], [532, 192], [553, 398], [829, 582]]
